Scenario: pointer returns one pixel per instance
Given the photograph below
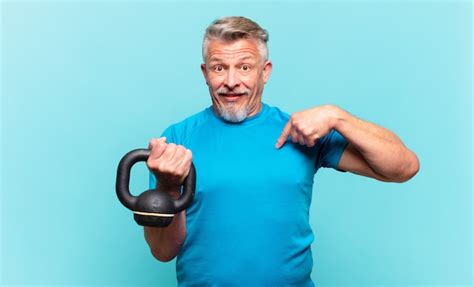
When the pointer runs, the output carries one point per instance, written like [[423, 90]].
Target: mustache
[[226, 91]]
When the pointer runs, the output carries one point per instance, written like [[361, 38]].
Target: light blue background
[[82, 83]]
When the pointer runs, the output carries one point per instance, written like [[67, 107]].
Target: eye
[[218, 68], [245, 68]]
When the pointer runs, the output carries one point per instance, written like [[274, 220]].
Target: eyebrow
[[217, 59]]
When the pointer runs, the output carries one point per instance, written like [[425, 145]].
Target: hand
[[307, 127], [170, 163]]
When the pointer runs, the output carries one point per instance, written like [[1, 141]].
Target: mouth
[[231, 97]]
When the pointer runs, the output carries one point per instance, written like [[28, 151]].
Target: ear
[[267, 70], [204, 73]]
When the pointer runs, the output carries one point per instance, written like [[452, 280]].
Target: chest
[[248, 161]]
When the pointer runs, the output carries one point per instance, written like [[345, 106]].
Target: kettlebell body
[[152, 207]]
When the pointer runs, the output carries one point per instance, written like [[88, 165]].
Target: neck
[[255, 111]]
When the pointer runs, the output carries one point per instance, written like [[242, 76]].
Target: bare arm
[[166, 242], [170, 164], [372, 151]]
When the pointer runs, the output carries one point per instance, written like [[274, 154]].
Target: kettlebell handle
[[123, 181]]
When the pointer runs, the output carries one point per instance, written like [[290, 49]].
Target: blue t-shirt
[[248, 224]]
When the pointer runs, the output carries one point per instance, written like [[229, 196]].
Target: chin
[[232, 113]]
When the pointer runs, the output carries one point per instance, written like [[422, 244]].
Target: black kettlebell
[[151, 208]]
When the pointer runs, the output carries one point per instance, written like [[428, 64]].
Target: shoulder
[[178, 131], [277, 115]]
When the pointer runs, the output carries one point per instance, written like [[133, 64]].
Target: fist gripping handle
[[152, 207]]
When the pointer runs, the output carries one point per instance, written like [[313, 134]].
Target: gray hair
[[235, 28]]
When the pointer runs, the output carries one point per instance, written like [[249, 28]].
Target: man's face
[[235, 74]]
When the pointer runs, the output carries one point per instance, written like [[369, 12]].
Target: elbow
[[161, 256], [409, 170]]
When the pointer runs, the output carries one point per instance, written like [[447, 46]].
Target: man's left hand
[[308, 126]]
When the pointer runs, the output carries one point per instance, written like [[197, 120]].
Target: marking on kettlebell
[[154, 214], [156, 203]]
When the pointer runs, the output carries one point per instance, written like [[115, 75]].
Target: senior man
[[249, 222]]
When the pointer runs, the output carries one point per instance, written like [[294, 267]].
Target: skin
[[373, 151], [235, 68], [236, 74]]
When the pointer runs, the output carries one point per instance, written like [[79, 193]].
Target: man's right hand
[[170, 163]]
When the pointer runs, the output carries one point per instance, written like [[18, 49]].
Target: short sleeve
[[331, 147], [170, 138]]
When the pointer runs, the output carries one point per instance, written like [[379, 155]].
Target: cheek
[[250, 82], [215, 83]]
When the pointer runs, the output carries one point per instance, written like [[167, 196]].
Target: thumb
[[155, 141]]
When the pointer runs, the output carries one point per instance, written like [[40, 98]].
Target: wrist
[[338, 117], [173, 191]]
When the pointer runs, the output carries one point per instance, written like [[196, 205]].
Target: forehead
[[228, 50]]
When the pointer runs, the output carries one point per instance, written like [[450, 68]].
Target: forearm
[[383, 151], [165, 242]]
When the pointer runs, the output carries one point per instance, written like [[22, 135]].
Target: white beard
[[232, 113]]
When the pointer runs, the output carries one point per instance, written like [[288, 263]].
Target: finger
[[284, 135], [169, 152], [301, 139], [185, 163], [151, 143], [154, 141], [300, 136], [294, 135], [176, 172], [156, 147], [312, 142], [178, 156]]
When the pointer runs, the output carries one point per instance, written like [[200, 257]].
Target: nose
[[231, 79]]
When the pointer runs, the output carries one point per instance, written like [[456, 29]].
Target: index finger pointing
[[284, 135]]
